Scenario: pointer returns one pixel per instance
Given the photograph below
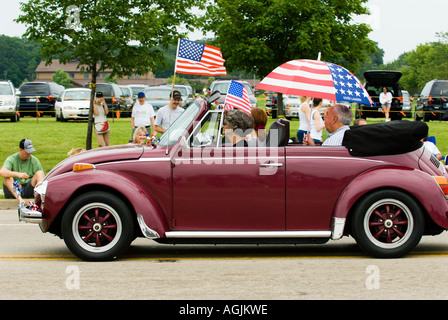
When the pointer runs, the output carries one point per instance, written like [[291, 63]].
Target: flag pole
[[172, 90]]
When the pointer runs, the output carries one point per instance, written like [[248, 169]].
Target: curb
[[8, 204]]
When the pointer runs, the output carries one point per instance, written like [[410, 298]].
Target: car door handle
[[271, 164]]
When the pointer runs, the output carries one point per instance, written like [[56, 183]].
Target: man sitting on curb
[[23, 167]]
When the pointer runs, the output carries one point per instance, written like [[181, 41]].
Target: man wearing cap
[[23, 167], [142, 114], [167, 114]]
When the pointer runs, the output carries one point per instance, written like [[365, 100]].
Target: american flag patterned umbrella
[[317, 79]]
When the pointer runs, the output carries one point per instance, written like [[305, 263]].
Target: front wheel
[[387, 224], [97, 226]]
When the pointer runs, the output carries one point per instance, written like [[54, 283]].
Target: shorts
[[300, 135], [385, 105], [27, 191]]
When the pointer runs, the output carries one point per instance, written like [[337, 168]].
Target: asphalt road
[[38, 266]]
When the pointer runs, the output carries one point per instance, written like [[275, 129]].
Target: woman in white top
[[100, 111], [386, 101], [304, 118], [317, 124]]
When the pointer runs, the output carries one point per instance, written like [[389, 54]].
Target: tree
[[62, 78], [259, 35], [427, 62], [18, 59], [106, 34]]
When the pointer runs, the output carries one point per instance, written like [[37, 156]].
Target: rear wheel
[[387, 224], [97, 226]]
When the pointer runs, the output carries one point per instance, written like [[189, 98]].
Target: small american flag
[[198, 58], [237, 97]]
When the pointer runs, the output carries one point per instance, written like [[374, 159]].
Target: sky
[[398, 26]]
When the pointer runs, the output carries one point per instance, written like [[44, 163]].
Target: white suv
[[8, 102]]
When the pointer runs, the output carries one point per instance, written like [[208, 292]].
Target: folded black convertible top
[[394, 137]]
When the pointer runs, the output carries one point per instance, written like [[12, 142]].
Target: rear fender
[[418, 184], [58, 196]]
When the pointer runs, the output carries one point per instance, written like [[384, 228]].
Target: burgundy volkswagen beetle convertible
[[188, 188]]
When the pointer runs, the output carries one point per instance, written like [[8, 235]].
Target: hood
[[382, 77], [99, 155]]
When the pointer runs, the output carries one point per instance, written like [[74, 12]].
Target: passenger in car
[[139, 136], [237, 126], [337, 121], [359, 122], [258, 138]]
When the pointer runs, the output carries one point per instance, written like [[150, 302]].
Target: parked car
[[112, 95], [433, 101], [375, 81], [9, 106], [136, 88], [223, 86], [291, 104], [127, 101], [158, 96], [38, 98], [407, 104], [188, 188], [271, 104], [73, 104]]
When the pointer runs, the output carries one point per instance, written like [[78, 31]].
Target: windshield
[[158, 94], [439, 89], [179, 126], [136, 90], [35, 89], [5, 89], [224, 87], [77, 95], [182, 90]]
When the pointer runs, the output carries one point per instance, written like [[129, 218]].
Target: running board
[[247, 234]]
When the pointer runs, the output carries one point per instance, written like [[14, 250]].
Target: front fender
[[415, 182], [63, 188]]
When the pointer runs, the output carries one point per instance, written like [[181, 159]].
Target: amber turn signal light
[[83, 166]]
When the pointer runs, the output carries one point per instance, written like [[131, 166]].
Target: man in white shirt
[[142, 114], [336, 121], [167, 114]]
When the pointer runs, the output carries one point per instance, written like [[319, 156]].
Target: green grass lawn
[[52, 140]]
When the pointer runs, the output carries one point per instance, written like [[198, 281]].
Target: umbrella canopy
[[317, 79]]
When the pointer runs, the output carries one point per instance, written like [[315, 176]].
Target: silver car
[[223, 86]]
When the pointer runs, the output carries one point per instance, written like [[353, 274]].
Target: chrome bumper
[[30, 216]]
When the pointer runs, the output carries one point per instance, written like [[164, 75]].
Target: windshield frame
[[180, 126]]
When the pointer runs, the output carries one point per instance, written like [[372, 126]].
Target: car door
[[219, 188]]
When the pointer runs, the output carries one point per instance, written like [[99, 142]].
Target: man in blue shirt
[[337, 121]]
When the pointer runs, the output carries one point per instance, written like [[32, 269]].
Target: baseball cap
[[141, 95], [99, 94], [176, 94], [26, 145]]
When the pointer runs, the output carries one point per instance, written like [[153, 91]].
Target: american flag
[[318, 79], [237, 97], [198, 58]]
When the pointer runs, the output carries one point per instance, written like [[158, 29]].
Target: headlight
[[41, 189]]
